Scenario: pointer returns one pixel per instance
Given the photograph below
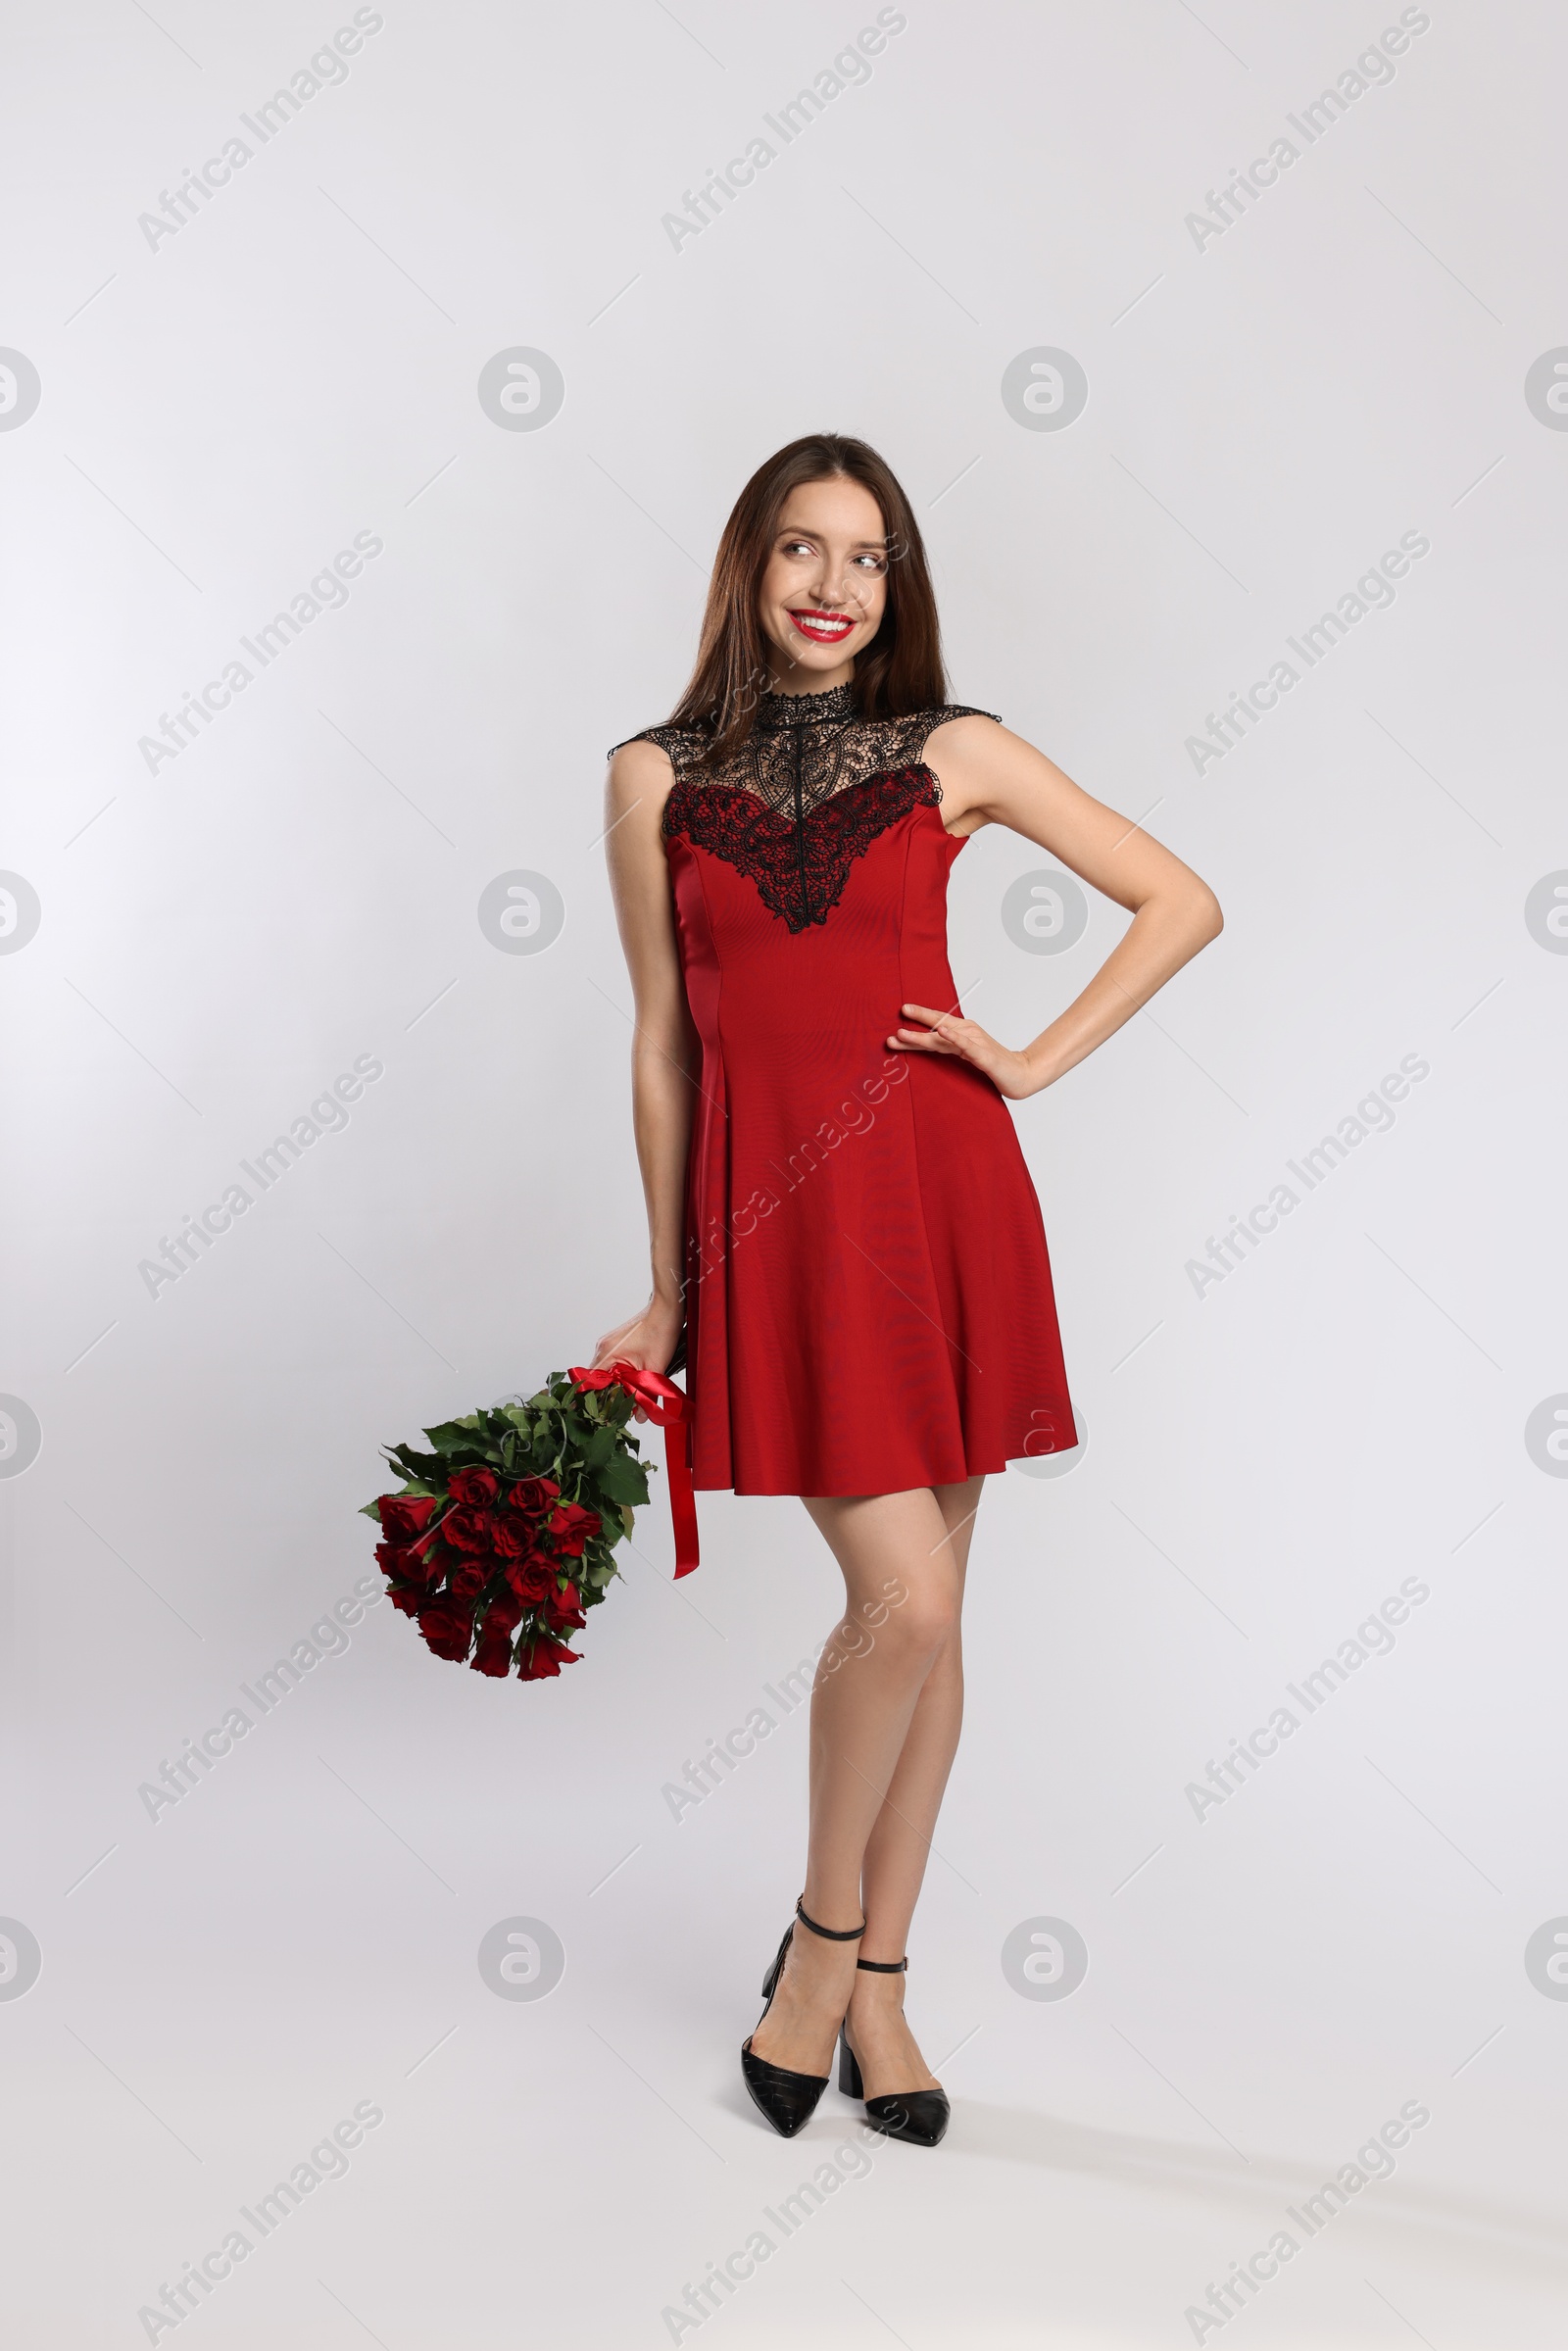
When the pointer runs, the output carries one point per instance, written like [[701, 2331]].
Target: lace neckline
[[805, 796], [805, 710]]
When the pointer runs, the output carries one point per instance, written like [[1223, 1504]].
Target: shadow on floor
[[1263, 2184]]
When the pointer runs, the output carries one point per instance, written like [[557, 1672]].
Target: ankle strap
[[832, 1935], [883, 1967]]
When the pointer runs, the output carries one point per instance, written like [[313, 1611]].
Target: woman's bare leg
[[897, 1849], [883, 1733]]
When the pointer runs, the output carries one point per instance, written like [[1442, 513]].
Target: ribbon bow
[[670, 1408]]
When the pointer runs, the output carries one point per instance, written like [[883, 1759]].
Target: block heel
[[918, 2117], [787, 2100]]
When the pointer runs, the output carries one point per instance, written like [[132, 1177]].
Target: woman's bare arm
[[990, 776], [666, 1054]]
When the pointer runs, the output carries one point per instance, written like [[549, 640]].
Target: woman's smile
[[823, 628]]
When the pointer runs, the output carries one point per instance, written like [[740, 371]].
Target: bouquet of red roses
[[502, 1535]]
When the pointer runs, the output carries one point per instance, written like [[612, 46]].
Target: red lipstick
[[823, 628]]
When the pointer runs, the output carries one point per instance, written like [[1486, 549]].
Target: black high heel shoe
[[918, 2115], [788, 2099]]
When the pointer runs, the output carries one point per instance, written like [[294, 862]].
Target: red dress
[[868, 1296]]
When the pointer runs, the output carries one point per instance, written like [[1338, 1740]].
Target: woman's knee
[[925, 1621]]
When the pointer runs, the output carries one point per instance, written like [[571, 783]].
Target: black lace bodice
[[804, 797]]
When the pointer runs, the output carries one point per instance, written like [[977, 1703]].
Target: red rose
[[472, 1489], [564, 1610], [503, 1615], [493, 1654], [530, 1579], [571, 1526], [509, 1538], [532, 1497], [447, 1627], [470, 1578], [467, 1530], [406, 1515], [412, 1566], [544, 1659], [409, 1602]]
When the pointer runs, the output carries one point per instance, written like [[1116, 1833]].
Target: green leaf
[[450, 1435], [624, 1480], [414, 1465]]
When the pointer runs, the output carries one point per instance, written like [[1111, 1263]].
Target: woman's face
[[825, 587]]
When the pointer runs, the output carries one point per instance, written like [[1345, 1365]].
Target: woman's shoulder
[[680, 744], [913, 729], [943, 715], [647, 768]]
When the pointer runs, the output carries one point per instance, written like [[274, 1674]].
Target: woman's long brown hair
[[901, 671]]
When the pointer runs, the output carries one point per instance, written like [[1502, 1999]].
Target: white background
[[1266, 416]]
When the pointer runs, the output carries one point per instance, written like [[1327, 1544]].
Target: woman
[[846, 1249]]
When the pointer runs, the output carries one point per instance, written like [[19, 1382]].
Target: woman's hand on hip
[[950, 1034]]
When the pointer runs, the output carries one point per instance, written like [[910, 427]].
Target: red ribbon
[[670, 1408]]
